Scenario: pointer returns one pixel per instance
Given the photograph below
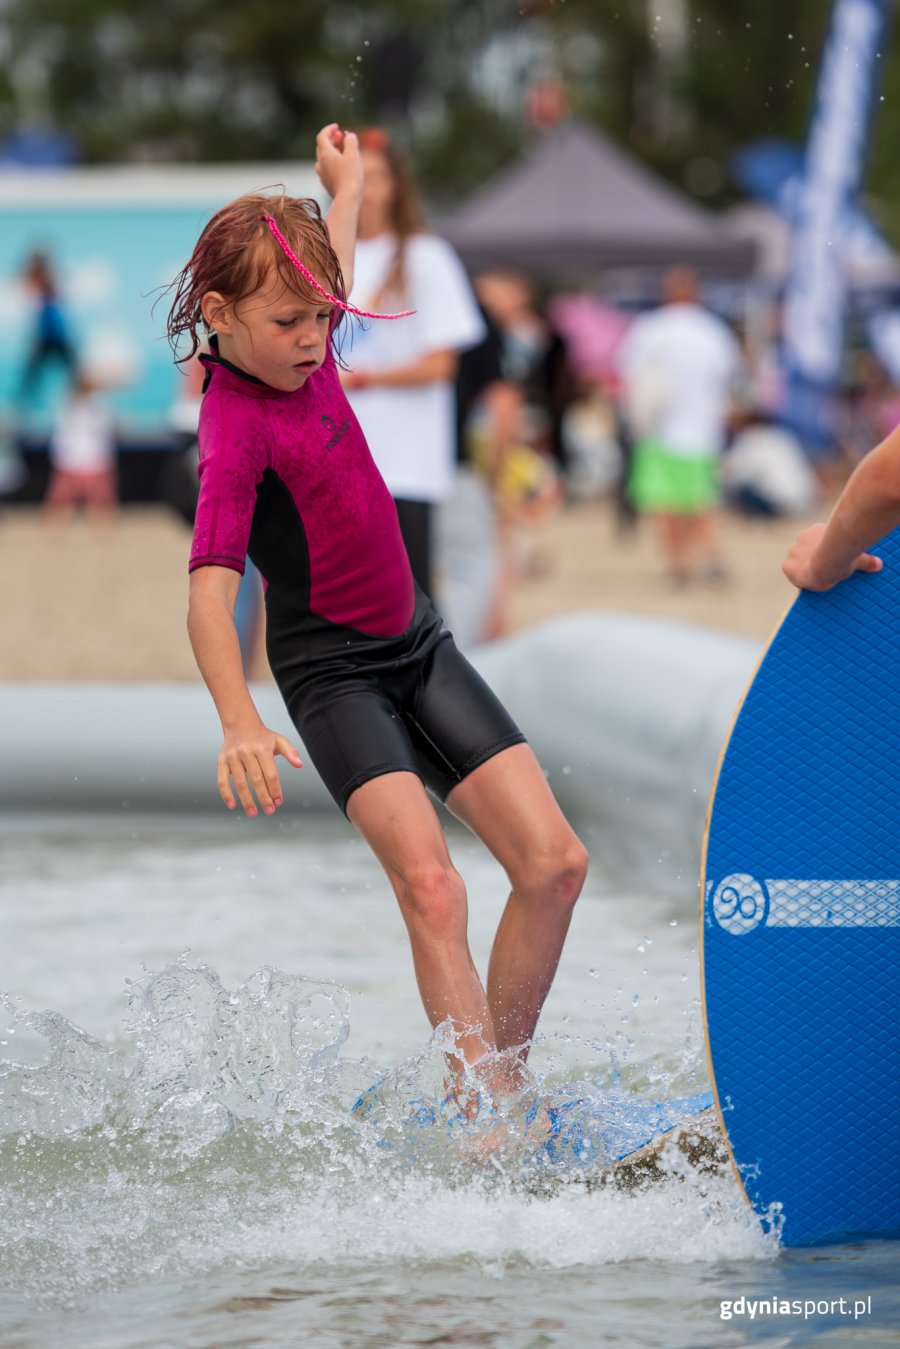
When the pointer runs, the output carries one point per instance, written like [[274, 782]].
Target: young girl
[[383, 700]]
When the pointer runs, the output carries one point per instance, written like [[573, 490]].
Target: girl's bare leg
[[508, 804], [395, 816]]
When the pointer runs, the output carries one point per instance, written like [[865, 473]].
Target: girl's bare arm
[[339, 166], [247, 756]]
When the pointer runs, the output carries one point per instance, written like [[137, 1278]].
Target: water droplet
[[594, 974], [673, 922]]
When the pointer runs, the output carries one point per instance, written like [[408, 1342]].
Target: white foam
[[224, 1137]]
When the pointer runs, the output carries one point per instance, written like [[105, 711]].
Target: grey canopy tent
[[578, 203]]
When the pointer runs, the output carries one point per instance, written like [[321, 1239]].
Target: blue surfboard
[[605, 1128], [800, 918]]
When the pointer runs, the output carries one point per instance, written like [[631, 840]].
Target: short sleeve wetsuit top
[[371, 678]]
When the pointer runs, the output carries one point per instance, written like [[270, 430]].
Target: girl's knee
[[433, 897], [556, 873], [571, 870]]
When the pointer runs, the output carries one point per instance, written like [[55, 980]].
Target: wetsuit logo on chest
[[337, 432]]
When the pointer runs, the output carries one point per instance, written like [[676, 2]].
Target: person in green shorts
[[679, 365]]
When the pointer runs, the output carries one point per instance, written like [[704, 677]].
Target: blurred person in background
[[471, 539], [401, 381], [529, 483], [597, 445], [765, 473], [679, 367], [870, 409], [83, 454], [534, 357], [178, 483], [51, 343]]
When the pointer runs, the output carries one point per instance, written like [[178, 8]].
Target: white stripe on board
[[739, 903]]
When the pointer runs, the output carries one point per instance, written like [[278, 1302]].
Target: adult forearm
[[868, 508], [428, 369], [217, 651]]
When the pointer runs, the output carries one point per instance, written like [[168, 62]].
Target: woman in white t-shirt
[[401, 380]]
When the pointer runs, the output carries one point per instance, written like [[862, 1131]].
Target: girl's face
[[274, 334], [379, 190]]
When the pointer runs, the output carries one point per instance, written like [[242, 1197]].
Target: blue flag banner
[[816, 292]]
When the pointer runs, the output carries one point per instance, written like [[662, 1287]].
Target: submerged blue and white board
[[800, 918]]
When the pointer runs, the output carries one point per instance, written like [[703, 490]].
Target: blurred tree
[[682, 82]]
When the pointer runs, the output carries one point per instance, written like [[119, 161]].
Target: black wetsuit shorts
[[365, 706]]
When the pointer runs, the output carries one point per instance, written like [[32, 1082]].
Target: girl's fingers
[[223, 782], [868, 562], [250, 775], [241, 785], [273, 781], [256, 772], [273, 787], [288, 751], [330, 136]]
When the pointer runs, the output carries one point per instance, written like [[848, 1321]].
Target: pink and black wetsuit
[[373, 681]]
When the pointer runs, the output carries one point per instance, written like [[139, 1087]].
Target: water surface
[[193, 1007]]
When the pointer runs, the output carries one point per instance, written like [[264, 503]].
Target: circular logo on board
[[740, 903]]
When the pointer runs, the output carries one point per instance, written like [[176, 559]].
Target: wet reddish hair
[[237, 254]]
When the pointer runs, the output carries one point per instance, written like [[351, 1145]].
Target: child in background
[[385, 703], [83, 454]]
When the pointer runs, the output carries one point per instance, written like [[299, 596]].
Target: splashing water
[[224, 1136]]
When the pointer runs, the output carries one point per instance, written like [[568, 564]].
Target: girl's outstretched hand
[[803, 564], [247, 759], [338, 161]]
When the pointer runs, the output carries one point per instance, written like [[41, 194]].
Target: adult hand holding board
[[800, 895], [869, 507]]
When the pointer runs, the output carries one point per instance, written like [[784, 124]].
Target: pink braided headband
[[305, 272]]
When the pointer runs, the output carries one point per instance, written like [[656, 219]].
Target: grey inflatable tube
[[626, 714]]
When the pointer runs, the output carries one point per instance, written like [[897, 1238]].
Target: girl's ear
[[217, 312]]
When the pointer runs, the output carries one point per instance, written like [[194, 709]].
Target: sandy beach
[[107, 602]]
